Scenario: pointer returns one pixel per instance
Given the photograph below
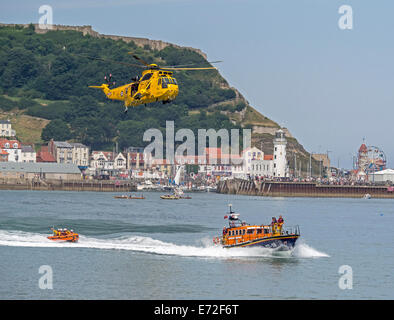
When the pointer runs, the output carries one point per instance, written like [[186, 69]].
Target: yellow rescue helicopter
[[155, 84]]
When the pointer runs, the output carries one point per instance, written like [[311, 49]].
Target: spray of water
[[146, 244]]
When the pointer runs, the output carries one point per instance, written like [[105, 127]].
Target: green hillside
[[45, 76]]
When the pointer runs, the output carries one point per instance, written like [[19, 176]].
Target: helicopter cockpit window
[[146, 77]]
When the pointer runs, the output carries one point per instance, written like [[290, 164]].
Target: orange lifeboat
[[64, 235]]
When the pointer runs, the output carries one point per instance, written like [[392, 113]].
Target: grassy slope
[[28, 129]]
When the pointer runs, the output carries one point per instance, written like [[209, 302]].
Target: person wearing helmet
[[280, 223]]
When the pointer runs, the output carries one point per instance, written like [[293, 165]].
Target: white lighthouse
[[280, 163]]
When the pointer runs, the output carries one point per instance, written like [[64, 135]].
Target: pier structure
[[301, 189]]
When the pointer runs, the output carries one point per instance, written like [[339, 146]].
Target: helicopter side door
[[164, 82]]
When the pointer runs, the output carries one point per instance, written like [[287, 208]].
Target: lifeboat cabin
[[242, 234]]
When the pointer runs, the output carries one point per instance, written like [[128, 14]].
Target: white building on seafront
[[257, 164], [28, 154]]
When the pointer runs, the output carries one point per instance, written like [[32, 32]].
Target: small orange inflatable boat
[[64, 235]]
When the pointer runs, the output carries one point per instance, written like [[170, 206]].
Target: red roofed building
[[13, 148], [43, 155], [3, 155], [135, 160]]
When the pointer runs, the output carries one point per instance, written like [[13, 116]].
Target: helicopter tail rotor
[[109, 80]]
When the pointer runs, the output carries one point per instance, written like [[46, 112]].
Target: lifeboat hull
[[67, 238], [281, 243]]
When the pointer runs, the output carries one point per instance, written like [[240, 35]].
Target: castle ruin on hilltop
[[88, 30]]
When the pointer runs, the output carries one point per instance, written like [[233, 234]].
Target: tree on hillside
[[56, 130], [131, 132], [20, 66]]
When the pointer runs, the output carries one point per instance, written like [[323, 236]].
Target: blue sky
[[330, 87]]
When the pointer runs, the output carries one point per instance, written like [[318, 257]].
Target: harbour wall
[[69, 185], [300, 189]]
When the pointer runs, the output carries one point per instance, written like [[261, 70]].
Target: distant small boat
[[367, 196], [170, 197], [211, 189], [203, 189], [177, 189], [121, 197], [148, 186], [132, 197], [129, 197], [178, 192], [198, 189], [64, 235]]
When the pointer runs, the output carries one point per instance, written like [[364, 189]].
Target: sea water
[[162, 249]]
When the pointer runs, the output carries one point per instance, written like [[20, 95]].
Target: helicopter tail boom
[[103, 87]]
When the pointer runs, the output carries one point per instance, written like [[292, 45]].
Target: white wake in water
[[302, 250], [149, 245]]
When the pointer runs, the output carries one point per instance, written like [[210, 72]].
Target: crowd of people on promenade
[[343, 181]]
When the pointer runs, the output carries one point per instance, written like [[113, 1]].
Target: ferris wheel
[[371, 159]]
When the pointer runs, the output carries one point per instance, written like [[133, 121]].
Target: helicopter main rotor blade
[[186, 69], [139, 59], [185, 65]]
